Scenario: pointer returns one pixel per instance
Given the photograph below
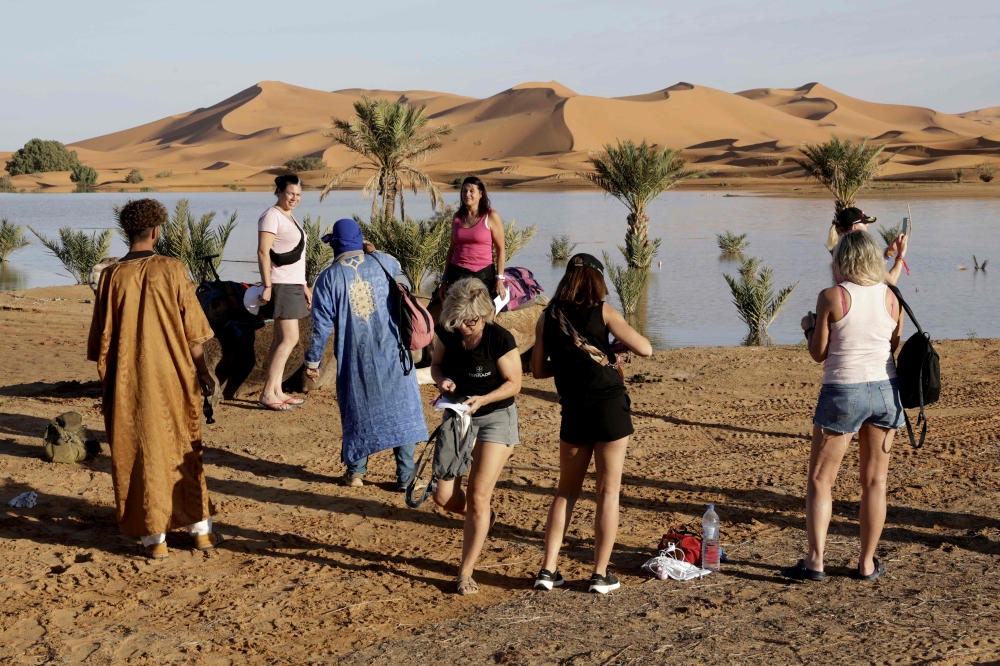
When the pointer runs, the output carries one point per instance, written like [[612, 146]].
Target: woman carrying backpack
[[854, 333], [572, 345]]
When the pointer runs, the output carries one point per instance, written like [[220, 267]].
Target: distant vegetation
[[77, 251], [38, 156], [134, 177], [84, 176], [755, 300], [986, 171], [6, 185], [560, 249], [732, 244], [164, 174], [304, 163], [11, 239]]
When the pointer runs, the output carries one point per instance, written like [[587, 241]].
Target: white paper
[[501, 301], [461, 411]]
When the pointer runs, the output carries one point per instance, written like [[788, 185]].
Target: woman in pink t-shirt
[[281, 255], [476, 230]]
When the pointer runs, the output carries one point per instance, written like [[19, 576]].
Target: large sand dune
[[538, 134]]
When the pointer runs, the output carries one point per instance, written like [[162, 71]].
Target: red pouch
[[686, 540]]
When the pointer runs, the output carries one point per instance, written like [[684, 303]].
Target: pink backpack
[[413, 321]]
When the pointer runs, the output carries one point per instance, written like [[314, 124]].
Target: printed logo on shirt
[[479, 374]]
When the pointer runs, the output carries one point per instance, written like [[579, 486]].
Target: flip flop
[[274, 406], [874, 575], [294, 402], [800, 572]]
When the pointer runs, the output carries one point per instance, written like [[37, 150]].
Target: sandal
[[800, 572], [874, 575], [274, 406], [294, 402], [467, 586]]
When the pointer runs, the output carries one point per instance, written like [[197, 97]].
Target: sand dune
[[538, 133]]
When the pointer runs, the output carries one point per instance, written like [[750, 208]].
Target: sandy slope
[[318, 573], [536, 134]]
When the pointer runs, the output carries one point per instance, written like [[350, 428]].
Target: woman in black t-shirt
[[571, 344], [477, 361]]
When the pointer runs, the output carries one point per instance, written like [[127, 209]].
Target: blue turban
[[346, 236]]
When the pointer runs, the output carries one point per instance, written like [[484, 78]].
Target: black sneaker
[[546, 580], [603, 584]]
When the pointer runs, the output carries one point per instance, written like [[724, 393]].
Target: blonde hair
[[858, 259], [466, 299], [833, 237]]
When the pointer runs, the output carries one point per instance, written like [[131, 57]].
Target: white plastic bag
[[670, 564]]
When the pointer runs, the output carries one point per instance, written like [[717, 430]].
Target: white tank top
[[861, 343]]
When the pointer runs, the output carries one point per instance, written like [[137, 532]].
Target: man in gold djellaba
[[146, 337]]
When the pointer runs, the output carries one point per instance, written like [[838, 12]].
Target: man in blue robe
[[380, 407]]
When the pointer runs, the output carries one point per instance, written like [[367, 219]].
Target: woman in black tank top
[[572, 345]]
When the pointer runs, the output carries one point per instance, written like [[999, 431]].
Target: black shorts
[[586, 421], [288, 301]]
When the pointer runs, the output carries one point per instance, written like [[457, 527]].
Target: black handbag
[[293, 255], [918, 369]]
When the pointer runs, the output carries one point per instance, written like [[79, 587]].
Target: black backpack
[[918, 369]]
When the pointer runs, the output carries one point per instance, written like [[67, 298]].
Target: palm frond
[[756, 303], [11, 239], [843, 167], [77, 252]]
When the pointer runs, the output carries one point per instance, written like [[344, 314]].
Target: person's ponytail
[[833, 237]]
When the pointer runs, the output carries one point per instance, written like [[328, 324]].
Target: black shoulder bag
[[918, 369], [293, 255]]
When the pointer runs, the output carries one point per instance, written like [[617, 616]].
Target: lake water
[[688, 301]]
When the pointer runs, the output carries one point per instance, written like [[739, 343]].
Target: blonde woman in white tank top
[[855, 330]]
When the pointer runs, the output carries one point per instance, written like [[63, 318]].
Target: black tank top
[[577, 375]]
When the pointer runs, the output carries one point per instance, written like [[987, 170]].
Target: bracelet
[[809, 330], [502, 277], [267, 286]]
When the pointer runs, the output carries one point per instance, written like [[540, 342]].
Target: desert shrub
[[84, 176], [305, 163], [77, 251], [233, 186], [732, 244], [6, 185], [755, 300], [147, 189], [417, 245], [11, 239], [958, 174], [318, 254], [134, 177], [705, 174], [560, 249], [724, 183], [39, 156], [743, 174], [164, 174], [986, 171]]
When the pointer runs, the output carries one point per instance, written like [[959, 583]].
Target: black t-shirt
[[577, 375], [475, 371]]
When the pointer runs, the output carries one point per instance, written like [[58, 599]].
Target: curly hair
[[138, 217], [466, 299]]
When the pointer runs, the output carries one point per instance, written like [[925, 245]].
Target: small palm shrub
[[164, 174], [134, 177], [890, 234], [303, 163], [629, 279], [560, 249], [986, 171], [417, 245], [755, 300], [843, 167], [84, 176], [11, 239], [318, 254], [6, 185], [732, 244], [515, 240], [77, 251]]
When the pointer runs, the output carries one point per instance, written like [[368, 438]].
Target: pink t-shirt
[[286, 237]]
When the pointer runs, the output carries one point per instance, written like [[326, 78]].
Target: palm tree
[[636, 175], [390, 137], [844, 167], [755, 300], [11, 239]]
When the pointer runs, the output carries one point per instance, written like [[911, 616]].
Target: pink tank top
[[473, 246], [861, 343]]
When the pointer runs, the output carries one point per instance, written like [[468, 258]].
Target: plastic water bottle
[[710, 539]]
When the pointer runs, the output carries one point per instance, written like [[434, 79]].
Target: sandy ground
[[314, 572]]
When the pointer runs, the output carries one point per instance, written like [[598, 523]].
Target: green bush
[[38, 156], [84, 176], [305, 163], [11, 239], [318, 254], [6, 185], [743, 174], [134, 177], [164, 174], [515, 240], [630, 278], [146, 189], [232, 186], [755, 300], [560, 249], [732, 244], [77, 251]]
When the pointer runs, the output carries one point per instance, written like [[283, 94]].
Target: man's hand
[[207, 384], [312, 373]]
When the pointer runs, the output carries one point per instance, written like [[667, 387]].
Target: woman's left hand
[[475, 402], [809, 321], [309, 295], [501, 287]]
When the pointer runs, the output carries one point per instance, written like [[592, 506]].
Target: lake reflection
[[687, 301]]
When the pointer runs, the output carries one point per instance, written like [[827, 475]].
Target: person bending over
[[854, 333], [476, 362], [572, 345]]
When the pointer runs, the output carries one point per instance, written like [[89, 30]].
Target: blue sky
[[74, 70]]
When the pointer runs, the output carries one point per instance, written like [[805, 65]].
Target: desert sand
[[540, 135], [314, 572]]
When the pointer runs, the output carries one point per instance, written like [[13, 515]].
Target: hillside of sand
[[535, 135]]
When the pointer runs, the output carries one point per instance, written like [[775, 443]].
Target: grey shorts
[[289, 301], [498, 426]]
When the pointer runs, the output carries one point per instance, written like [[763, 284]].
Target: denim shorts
[[499, 426], [844, 407]]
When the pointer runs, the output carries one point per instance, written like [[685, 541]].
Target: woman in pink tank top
[[476, 230], [854, 333]]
